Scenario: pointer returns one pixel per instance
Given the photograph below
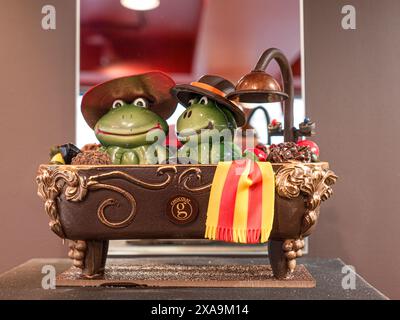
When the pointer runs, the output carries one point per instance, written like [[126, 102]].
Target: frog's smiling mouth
[[131, 134], [192, 132]]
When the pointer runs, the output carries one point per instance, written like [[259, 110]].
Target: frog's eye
[[203, 100], [117, 104], [140, 102]]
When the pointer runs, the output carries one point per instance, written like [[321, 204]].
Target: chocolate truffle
[[289, 151], [92, 158], [90, 147]]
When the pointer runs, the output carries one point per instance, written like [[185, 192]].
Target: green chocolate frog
[[128, 116], [206, 128]]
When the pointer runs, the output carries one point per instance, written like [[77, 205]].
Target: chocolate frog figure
[[128, 116], [207, 126]]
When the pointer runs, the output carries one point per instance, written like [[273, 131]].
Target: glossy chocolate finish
[[94, 204], [258, 87], [80, 220]]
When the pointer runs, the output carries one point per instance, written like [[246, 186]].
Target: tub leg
[[77, 251], [277, 258], [90, 256], [95, 258], [293, 249], [283, 254]]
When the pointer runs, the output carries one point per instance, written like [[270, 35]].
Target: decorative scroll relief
[[53, 180], [188, 175], [314, 182], [293, 248], [93, 183], [291, 180], [165, 171]]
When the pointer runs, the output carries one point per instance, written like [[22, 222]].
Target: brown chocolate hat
[[214, 87], [154, 86]]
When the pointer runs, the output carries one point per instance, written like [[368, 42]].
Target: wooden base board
[[179, 275]]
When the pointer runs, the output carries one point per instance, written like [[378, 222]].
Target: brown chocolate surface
[[146, 215]]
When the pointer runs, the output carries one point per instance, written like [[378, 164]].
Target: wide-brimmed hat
[[214, 87], [154, 86]]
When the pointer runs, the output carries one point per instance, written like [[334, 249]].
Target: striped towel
[[241, 205]]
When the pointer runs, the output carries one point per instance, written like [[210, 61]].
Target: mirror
[[187, 39]]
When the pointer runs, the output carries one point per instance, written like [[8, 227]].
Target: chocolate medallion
[[182, 209]]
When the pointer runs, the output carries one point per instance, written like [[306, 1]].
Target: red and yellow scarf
[[241, 205]]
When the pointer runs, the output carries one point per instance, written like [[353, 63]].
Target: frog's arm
[[130, 156], [250, 155], [237, 151], [186, 152], [226, 151], [155, 154], [183, 151], [162, 154], [206, 154], [115, 153], [219, 153]]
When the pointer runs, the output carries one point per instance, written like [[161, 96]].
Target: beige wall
[[352, 91], [36, 111], [233, 35]]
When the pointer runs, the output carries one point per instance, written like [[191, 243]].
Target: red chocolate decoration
[[313, 146], [261, 155]]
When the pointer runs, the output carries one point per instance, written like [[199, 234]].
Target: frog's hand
[[214, 153], [207, 154], [250, 155], [183, 152], [237, 151], [189, 154], [226, 151], [161, 153], [218, 153], [153, 154], [130, 157], [115, 154], [172, 152]]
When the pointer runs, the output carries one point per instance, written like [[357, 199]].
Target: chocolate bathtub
[[94, 204]]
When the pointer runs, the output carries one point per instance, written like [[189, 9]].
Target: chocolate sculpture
[[208, 114], [128, 115], [97, 203]]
